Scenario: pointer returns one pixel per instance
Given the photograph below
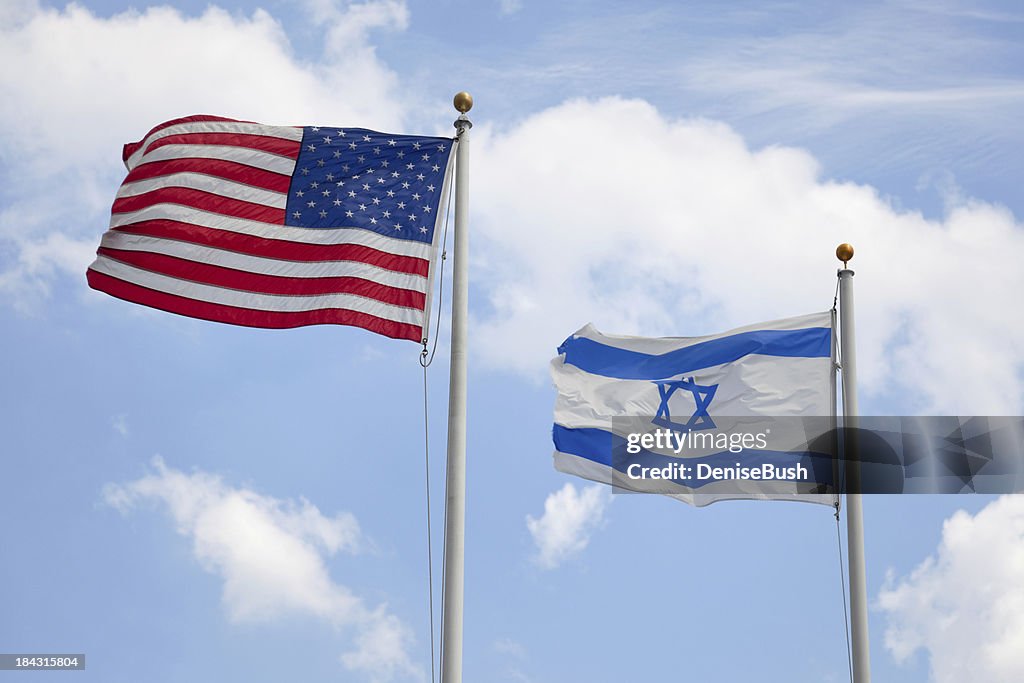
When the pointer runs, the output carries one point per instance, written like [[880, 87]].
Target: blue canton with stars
[[358, 178]]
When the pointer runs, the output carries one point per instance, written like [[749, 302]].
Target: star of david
[[702, 396]]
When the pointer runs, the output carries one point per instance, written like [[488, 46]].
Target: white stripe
[[261, 265], [339, 235], [284, 132], [252, 300], [242, 155], [206, 183], [753, 386]]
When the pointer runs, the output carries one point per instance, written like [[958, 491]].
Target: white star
[[327, 193], [387, 214], [398, 226], [314, 185], [420, 176], [416, 196], [391, 143], [337, 202], [362, 207], [412, 217], [311, 204], [341, 133], [296, 214], [366, 186], [410, 166], [315, 129], [330, 176], [384, 163], [305, 171], [323, 214], [424, 229], [327, 140], [405, 186], [299, 193], [426, 157], [416, 145], [380, 181], [376, 200], [435, 168], [340, 183], [430, 188], [352, 193], [320, 162], [427, 209], [344, 167], [351, 145], [376, 150], [440, 148], [391, 193], [349, 214], [373, 221], [394, 174], [401, 154], [401, 205], [366, 138], [337, 154], [361, 159], [311, 148]]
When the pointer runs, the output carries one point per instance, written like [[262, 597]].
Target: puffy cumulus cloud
[[606, 211], [965, 604], [79, 85], [270, 555], [570, 517]]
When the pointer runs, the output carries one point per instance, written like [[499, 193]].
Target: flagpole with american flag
[[285, 226]]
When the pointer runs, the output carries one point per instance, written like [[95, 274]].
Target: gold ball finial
[[463, 102], [844, 252]]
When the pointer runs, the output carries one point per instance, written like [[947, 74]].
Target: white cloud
[[270, 554], [965, 605], [80, 85], [606, 211], [570, 516]]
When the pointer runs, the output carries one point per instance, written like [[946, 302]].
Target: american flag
[[275, 226]]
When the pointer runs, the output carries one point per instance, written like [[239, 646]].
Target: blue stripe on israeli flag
[[775, 369]]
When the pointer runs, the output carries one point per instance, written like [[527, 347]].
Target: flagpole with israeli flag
[[455, 504], [854, 510]]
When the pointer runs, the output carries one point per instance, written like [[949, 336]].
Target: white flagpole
[[455, 505], [854, 511]]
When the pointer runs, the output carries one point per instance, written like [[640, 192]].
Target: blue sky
[[185, 500]]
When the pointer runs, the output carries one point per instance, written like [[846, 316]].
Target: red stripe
[[199, 199], [241, 280], [279, 249], [264, 143], [131, 147], [220, 168], [247, 317]]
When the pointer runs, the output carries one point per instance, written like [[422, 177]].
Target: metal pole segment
[[854, 511], [455, 508]]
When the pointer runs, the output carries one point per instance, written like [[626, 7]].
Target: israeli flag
[[754, 385]]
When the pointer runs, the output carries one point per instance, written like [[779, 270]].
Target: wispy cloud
[[270, 554]]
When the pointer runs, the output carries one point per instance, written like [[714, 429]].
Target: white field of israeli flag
[[754, 375]]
